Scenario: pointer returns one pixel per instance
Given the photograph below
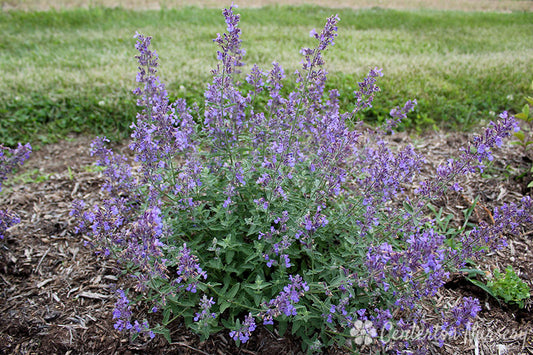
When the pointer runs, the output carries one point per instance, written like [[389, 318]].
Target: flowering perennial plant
[[10, 158], [274, 209], [122, 313]]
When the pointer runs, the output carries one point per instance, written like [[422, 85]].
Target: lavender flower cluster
[[285, 301], [273, 208], [10, 158], [122, 313]]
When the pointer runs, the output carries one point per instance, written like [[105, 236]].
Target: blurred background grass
[[72, 69], [463, 5]]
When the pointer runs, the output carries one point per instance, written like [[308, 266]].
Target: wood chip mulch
[[57, 297]]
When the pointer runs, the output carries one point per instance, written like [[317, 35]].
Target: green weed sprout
[[509, 287]]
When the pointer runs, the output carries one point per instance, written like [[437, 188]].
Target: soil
[[57, 296]]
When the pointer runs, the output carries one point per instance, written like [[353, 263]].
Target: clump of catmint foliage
[[277, 209]]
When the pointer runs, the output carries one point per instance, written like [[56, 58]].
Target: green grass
[[73, 70]]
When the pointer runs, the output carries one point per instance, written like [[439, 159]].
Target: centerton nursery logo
[[363, 335]]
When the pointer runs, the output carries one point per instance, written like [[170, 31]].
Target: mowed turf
[[73, 70]]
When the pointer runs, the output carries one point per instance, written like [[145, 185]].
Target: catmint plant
[[271, 210], [10, 159]]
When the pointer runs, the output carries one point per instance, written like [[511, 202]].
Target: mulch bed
[[57, 296]]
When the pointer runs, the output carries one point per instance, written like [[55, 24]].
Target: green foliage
[[502, 286], [45, 119], [28, 177], [509, 287], [227, 245]]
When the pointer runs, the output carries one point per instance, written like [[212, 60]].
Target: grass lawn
[[73, 69], [462, 5]]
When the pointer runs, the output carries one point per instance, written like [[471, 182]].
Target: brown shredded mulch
[[57, 297]]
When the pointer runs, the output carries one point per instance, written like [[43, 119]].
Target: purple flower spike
[[224, 115], [284, 302], [243, 334], [471, 158], [118, 172], [313, 57], [398, 114], [461, 317], [367, 90], [230, 43], [205, 306], [7, 220], [162, 129], [122, 312], [189, 270], [9, 160], [144, 246]]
